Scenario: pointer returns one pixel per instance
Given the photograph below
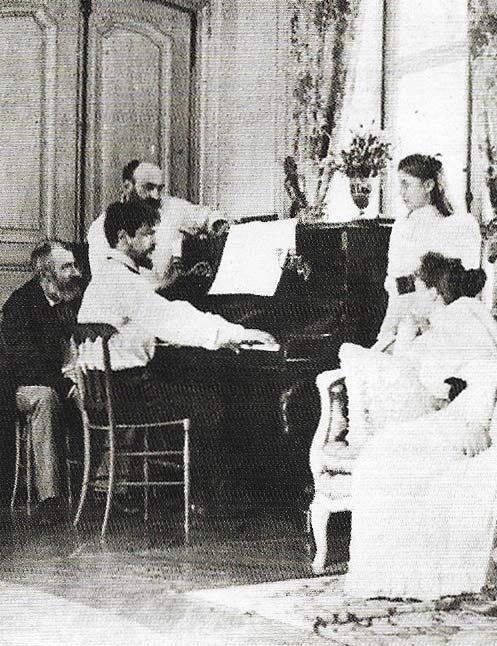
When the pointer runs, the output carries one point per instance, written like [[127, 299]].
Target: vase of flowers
[[365, 158], [360, 190]]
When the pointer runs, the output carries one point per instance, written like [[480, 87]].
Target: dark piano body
[[342, 299], [272, 404]]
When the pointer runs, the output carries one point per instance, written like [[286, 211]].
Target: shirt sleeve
[[98, 247], [395, 256], [180, 323]]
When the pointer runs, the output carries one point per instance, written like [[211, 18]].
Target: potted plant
[[365, 158]]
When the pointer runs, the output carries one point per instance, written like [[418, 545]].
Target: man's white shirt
[[120, 296]]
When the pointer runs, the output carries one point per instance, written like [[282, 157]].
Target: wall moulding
[[42, 119]]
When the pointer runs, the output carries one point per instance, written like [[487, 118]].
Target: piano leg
[[285, 397]]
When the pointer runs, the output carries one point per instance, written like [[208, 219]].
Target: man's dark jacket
[[31, 353], [33, 335]]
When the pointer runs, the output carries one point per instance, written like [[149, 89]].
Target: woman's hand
[[474, 440], [439, 403]]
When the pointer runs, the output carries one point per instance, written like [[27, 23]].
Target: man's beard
[[59, 292], [72, 291], [149, 201], [144, 261]]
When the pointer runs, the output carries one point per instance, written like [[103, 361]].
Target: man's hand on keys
[[258, 337], [252, 339]]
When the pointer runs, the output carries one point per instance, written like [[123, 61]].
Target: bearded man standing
[[37, 325], [144, 181]]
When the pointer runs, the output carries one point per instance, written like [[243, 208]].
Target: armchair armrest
[[329, 378]]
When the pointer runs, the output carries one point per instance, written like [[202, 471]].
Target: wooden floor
[[143, 587], [141, 573]]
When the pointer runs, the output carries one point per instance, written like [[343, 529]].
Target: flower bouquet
[[366, 157]]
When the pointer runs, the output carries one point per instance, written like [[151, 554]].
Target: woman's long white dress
[[415, 234], [423, 513]]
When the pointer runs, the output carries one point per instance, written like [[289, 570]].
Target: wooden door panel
[[139, 85], [38, 98]]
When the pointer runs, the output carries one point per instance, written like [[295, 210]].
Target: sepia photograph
[[248, 322]]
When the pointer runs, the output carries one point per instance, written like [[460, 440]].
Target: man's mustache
[[153, 202], [149, 201]]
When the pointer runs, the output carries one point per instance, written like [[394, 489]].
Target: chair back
[[95, 384]]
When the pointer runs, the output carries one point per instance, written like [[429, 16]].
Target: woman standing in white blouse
[[429, 225]]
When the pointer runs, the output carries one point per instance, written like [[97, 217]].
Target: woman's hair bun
[[449, 277], [434, 164], [472, 282]]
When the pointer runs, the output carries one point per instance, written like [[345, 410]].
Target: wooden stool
[[24, 444]]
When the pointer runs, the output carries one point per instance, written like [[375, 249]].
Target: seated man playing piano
[[122, 297]]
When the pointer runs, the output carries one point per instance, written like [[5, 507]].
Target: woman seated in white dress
[[424, 485]]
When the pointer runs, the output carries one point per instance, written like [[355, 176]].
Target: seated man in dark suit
[[37, 325]]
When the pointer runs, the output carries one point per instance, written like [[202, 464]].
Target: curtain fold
[[360, 103], [483, 190], [483, 41], [322, 46]]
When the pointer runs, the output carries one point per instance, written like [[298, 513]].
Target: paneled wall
[[38, 95], [61, 156], [243, 105], [139, 95], [61, 159]]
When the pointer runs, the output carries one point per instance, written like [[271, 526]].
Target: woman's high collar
[[428, 211]]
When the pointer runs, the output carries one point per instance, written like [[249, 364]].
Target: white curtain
[[484, 102], [361, 104], [322, 38]]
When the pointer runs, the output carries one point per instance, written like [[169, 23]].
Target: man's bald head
[[146, 172], [146, 182]]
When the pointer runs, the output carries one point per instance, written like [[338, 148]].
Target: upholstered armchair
[[334, 452]]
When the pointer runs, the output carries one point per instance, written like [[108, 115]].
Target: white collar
[[124, 259], [426, 211]]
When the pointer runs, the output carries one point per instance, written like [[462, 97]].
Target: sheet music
[[253, 258]]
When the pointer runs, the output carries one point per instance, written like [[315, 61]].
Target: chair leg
[[186, 477], [110, 490], [146, 477], [17, 465], [68, 471], [319, 522], [29, 466], [86, 472]]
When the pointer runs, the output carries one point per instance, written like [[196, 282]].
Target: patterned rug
[[319, 606]]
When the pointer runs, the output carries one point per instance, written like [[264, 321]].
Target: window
[[426, 83]]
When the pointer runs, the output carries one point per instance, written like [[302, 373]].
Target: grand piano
[[330, 293]]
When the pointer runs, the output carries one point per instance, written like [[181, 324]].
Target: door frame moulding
[[194, 9], [47, 130]]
